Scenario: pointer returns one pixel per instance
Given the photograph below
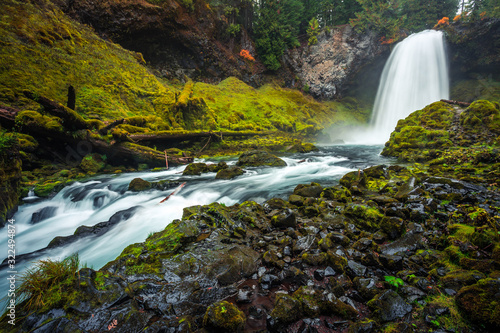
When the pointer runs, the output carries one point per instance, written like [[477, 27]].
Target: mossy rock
[[480, 302], [257, 158], [229, 173], [92, 163], [481, 114], [337, 193], [392, 226], [195, 169], [365, 217], [287, 309], [389, 306], [224, 317], [138, 185], [302, 148], [352, 178], [310, 191], [460, 278], [284, 219], [377, 171]]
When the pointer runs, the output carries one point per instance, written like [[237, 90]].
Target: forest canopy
[[277, 25]]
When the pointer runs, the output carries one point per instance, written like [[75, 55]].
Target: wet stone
[[356, 269], [319, 274], [389, 306], [329, 272]]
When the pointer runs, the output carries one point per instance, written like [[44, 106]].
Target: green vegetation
[[394, 281], [276, 30], [49, 284], [44, 52]]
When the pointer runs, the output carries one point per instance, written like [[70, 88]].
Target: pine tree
[[277, 29]]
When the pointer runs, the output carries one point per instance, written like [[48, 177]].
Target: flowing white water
[[95, 201], [415, 75]]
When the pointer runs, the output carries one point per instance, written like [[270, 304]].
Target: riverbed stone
[[257, 158]]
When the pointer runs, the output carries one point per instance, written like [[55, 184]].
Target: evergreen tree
[[277, 29], [423, 14], [382, 16]]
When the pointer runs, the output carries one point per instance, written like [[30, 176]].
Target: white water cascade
[[415, 75]]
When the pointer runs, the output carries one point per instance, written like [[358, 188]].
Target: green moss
[[38, 121], [48, 187], [479, 302], [37, 37], [286, 309], [364, 217], [92, 163], [224, 316]]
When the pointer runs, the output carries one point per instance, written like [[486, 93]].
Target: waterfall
[[415, 75]]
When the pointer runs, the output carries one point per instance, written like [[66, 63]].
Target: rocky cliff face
[[329, 66], [174, 39]]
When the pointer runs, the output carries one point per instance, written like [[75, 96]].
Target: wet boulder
[[389, 306], [378, 171], [309, 191], [195, 169], [284, 219], [138, 185], [229, 173], [256, 158], [354, 178], [43, 214]]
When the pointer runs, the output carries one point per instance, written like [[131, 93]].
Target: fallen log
[[174, 192], [71, 119], [115, 123], [172, 136], [455, 102], [7, 116], [134, 154]]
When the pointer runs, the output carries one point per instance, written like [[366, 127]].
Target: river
[[96, 200]]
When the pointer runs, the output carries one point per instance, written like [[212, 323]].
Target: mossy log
[[7, 116], [131, 153], [193, 136], [71, 119], [455, 102], [115, 123]]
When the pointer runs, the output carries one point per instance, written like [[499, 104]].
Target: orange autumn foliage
[[245, 54], [445, 20], [383, 41]]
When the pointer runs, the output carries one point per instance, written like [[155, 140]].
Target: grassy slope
[[241, 107], [42, 50]]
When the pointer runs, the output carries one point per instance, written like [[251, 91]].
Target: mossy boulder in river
[[256, 158], [229, 173], [139, 184], [195, 169]]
